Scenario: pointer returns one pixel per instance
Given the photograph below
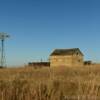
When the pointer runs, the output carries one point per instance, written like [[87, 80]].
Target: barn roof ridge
[[68, 51]]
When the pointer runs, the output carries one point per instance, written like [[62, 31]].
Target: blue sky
[[39, 26]]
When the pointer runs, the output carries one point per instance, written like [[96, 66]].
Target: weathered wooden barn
[[66, 57]]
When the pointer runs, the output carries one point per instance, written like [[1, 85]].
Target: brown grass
[[70, 83]]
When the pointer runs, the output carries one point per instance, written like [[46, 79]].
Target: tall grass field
[[62, 83]]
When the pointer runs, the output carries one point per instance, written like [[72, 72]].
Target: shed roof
[[66, 51]]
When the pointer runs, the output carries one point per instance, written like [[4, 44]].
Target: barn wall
[[77, 60], [60, 60], [71, 60]]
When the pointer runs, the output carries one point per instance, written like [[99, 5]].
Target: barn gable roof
[[66, 52]]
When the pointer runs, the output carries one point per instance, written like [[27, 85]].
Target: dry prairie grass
[[70, 83]]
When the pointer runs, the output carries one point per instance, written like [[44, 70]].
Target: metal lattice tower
[[3, 36]]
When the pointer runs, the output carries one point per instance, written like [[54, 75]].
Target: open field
[[70, 83]]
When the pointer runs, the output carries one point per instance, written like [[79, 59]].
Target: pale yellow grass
[[63, 83]]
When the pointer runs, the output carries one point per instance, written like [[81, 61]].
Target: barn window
[[79, 60], [77, 53]]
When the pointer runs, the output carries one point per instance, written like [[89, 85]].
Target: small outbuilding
[[39, 64], [87, 62], [66, 57]]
